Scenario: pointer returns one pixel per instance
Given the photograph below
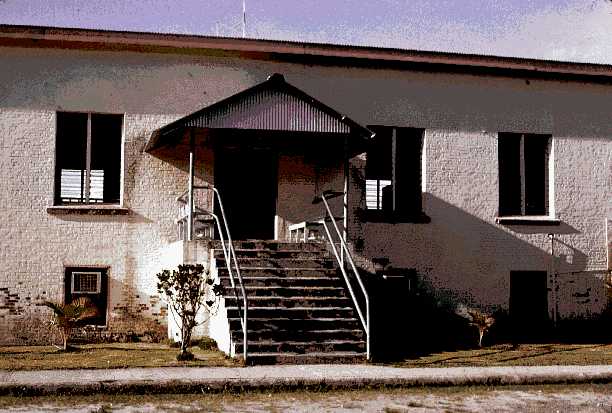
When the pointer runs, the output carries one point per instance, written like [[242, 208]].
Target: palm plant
[[481, 321], [68, 316]]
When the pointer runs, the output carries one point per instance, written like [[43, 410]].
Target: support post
[[190, 189], [345, 198], [394, 171]]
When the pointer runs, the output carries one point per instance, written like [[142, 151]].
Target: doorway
[[247, 181], [529, 304]]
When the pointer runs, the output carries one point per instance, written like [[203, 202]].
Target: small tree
[[186, 290], [66, 317], [481, 321]]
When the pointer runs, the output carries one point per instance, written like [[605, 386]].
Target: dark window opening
[[523, 174], [91, 283], [88, 158], [393, 172], [379, 169]]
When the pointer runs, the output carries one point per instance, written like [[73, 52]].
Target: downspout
[[553, 276]]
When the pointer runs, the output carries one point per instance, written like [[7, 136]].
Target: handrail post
[[345, 196], [190, 189]]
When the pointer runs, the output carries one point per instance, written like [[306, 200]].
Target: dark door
[[247, 182], [529, 304]]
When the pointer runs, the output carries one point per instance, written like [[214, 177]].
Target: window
[[91, 283], [88, 158], [523, 174], [393, 172]]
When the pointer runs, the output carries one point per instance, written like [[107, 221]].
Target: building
[[487, 177]]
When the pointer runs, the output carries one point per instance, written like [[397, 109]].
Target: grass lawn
[[100, 356], [96, 356], [523, 355]]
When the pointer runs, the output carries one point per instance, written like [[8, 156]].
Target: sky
[[569, 30]]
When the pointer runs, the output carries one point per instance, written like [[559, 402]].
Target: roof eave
[[39, 36]]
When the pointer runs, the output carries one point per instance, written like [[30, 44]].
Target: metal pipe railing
[[348, 255], [343, 270], [230, 257], [232, 252]]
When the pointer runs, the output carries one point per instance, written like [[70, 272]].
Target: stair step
[[279, 272], [289, 302], [294, 291], [268, 254], [292, 309], [300, 334], [286, 323], [287, 282], [346, 357], [273, 245], [302, 347], [249, 262], [296, 313]]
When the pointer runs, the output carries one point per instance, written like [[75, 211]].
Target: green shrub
[[187, 290], [207, 344]]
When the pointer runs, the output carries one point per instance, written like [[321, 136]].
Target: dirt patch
[[584, 398]]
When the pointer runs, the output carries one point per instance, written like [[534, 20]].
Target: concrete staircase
[[299, 309]]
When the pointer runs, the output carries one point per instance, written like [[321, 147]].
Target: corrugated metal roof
[[273, 105], [270, 110]]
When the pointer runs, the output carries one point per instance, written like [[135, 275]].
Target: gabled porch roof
[[273, 105]]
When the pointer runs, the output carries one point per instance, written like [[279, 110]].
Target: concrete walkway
[[284, 377]]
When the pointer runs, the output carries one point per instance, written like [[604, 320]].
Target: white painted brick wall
[[462, 251]]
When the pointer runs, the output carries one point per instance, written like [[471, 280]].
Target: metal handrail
[[365, 322], [230, 254]]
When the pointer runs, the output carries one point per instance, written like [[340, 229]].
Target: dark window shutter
[[509, 158], [536, 149], [70, 155], [378, 164], [409, 144], [106, 156]]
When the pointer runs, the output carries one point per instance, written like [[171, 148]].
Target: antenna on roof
[[243, 18]]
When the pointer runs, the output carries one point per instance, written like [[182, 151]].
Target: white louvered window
[[374, 192], [88, 158]]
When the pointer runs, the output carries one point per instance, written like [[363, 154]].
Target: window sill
[[87, 210], [528, 220], [378, 216]]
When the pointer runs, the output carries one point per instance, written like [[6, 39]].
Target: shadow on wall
[[463, 260], [467, 258], [131, 218]]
